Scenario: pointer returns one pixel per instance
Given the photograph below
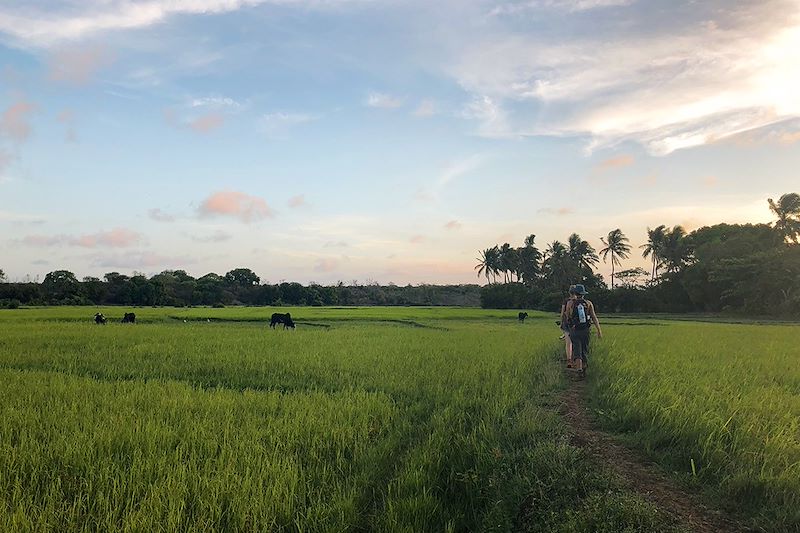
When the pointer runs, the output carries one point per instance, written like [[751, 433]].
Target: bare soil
[[636, 472]]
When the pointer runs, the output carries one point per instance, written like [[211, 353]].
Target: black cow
[[129, 318], [280, 318], [99, 318], [522, 316]]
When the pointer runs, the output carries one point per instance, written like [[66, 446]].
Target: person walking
[[564, 325], [580, 316]]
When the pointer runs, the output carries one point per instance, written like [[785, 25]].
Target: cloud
[[619, 161], [215, 102], [493, 118], [277, 125], [453, 225], [703, 75], [426, 108], [235, 204], [297, 201], [15, 120], [77, 65], [383, 101], [5, 162], [217, 236], [336, 244], [139, 260], [565, 5], [326, 265], [560, 211], [710, 182], [115, 238], [206, 123], [416, 239], [47, 24], [159, 215], [450, 173]]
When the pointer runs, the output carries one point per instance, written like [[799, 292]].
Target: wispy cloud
[[450, 173], [215, 102], [15, 120], [515, 8], [159, 215], [383, 101], [492, 117], [620, 161], [426, 108], [326, 265], [704, 76], [453, 225], [77, 65], [67, 117], [416, 239], [237, 205], [206, 123], [140, 260], [115, 238], [297, 201], [277, 125], [217, 236]]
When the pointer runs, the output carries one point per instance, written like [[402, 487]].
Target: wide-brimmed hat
[[580, 289]]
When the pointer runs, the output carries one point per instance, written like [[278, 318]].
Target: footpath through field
[[636, 473]]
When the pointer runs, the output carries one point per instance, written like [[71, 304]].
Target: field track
[[635, 472]]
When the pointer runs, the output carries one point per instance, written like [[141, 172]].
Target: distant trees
[[726, 267], [2, 276]]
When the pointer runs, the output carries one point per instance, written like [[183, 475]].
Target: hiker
[[580, 316], [564, 325]]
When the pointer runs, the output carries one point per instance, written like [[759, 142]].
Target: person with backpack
[[563, 324], [580, 316]]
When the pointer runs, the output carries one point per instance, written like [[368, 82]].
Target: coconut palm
[[506, 261], [581, 252], [653, 247], [675, 253], [787, 209], [616, 245], [487, 263]]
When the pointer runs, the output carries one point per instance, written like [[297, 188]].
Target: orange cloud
[[620, 161], [710, 181], [416, 239], [77, 65], [560, 211], [326, 265], [14, 122], [206, 123], [453, 224], [235, 204], [789, 137]]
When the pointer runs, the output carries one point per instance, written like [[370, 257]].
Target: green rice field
[[378, 419]]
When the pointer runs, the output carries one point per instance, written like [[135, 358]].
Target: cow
[[99, 319], [129, 318], [280, 318], [522, 316]]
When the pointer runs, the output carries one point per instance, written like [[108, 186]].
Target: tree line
[[240, 286], [751, 268]]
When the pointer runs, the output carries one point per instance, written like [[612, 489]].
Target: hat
[[580, 289]]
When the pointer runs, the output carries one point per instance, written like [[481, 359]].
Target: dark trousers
[[580, 344]]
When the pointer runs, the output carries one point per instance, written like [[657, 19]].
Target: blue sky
[[325, 140]]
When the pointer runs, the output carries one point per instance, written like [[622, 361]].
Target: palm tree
[[484, 266], [654, 247], [581, 252], [506, 261], [616, 245], [555, 249], [675, 253], [787, 209], [529, 259]]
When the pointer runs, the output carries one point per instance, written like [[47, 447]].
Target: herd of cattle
[[130, 318]]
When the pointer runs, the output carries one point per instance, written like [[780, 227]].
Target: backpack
[[580, 318]]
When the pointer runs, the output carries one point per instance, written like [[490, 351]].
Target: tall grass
[[726, 397], [370, 425]]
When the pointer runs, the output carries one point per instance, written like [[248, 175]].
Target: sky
[[382, 140]]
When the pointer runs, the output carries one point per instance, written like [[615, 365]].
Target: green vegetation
[[369, 420], [724, 396]]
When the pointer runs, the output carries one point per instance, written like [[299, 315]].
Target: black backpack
[[580, 318]]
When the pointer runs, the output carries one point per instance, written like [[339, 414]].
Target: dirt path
[[639, 475]]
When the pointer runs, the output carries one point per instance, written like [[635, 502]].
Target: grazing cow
[[129, 318], [522, 316], [99, 318], [280, 318]]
